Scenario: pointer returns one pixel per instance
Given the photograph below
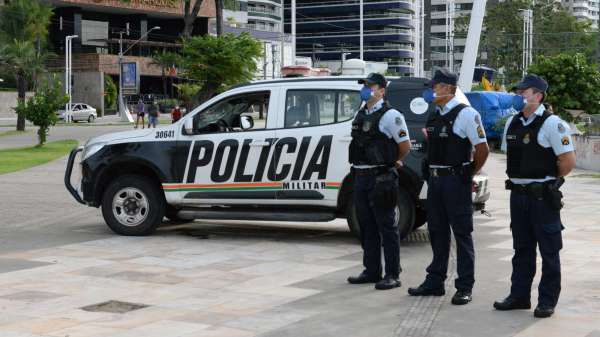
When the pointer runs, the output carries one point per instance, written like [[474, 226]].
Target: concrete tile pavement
[[255, 279]]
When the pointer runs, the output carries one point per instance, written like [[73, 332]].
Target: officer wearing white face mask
[[379, 143]]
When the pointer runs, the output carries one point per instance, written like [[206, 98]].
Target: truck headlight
[[89, 150]]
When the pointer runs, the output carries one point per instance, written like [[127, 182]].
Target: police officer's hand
[[398, 164]]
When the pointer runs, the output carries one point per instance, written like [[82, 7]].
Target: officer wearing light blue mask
[[539, 154], [453, 130], [379, 143]]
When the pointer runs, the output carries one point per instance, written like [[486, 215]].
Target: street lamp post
[[123, 111], [68, 66]]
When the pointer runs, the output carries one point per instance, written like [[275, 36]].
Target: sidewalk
[[242, 279]]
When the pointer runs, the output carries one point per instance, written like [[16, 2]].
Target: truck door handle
[[346, 139], [259, 144]]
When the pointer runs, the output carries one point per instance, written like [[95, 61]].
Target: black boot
[[543, 311], [388, 282], [424, 290], [363, 278], [511, 303], [462, 297]]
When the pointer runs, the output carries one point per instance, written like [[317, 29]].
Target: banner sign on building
[[130, 78]]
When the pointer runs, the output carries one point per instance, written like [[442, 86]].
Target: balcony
[[264, 13], [353, 36], [330, 7], [316, 24]]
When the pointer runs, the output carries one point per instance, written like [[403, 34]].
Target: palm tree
[[23, 32], [165, 60], [21, 59]]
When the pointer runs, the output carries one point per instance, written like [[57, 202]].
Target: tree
[[165, 60], [23, 23], [219, 62], [187, 93], [191, 8], [190, 13], [219, 12], [573, 83], [41, 108], [21, 58], [110, 92], [555, 31]]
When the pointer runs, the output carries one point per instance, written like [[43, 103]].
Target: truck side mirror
[[246, 122], [188, 126]]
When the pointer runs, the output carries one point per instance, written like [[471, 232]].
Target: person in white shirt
[[453, 130], [539, 154], [380, 141]]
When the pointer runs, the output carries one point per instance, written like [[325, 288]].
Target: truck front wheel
[[133, 205]]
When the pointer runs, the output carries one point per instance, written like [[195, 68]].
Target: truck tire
[[405, 215], [133, 205]]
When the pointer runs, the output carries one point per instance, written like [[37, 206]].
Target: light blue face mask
[[518, 102], [429, 95], [366, 93]]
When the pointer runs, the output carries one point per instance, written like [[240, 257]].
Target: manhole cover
[[417, 236], [115, 307]]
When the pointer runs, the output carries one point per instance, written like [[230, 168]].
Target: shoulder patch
[[477, 120], [561, 128], [480, 132], [402, 133], [565, 141], [398, 121]]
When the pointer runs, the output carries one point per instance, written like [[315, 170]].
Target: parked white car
[[81, 112]]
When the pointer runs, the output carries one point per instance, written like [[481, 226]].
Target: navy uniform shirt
[[467, 124], [392, 124], [554, 133]]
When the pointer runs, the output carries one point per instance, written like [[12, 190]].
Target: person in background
[[175, 114], [153, 113], [140, 110]]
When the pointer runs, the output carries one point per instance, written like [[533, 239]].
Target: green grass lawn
[[12, 160]]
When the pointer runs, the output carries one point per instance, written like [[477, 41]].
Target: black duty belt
[[446, 171], [534, 189], [370, 171]]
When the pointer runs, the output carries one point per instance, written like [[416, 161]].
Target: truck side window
[[228, 110], [319, 107]]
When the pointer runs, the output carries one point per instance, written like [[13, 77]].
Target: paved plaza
[[209, 278]]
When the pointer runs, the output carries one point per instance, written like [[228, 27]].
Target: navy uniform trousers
[[533, 222], [377, 226], [450, 207]]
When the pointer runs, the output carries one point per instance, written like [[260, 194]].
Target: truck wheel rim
[[130, 206]]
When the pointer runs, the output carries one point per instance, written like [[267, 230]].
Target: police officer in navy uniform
[[379, 142], [452, 131], [539, 153]]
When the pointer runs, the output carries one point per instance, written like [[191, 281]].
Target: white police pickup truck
[[273, 150]]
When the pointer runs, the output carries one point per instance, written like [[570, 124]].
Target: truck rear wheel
[[132, 205], [404, 215]]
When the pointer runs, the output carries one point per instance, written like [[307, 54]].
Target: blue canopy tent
[[492, 106]]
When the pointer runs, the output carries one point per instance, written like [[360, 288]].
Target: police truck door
[[228, 162], [313, 139]]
